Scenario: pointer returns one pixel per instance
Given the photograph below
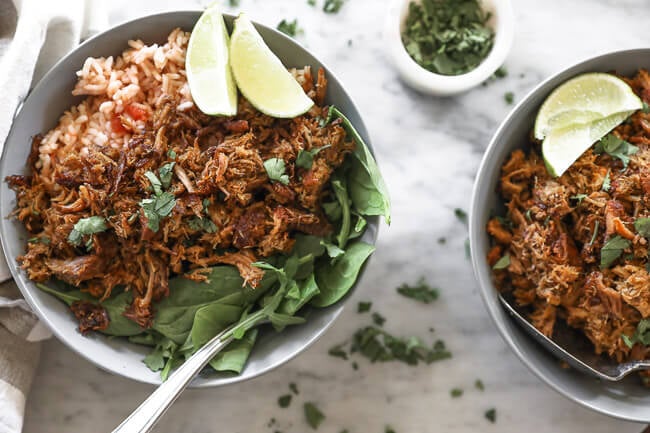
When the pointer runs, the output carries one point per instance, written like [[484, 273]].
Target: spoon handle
[[149, 412]]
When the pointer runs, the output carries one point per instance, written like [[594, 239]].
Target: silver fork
[[570, 346]]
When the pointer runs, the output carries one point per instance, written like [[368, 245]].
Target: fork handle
[[143, 419]]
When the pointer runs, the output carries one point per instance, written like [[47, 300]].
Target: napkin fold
[[34, 34]]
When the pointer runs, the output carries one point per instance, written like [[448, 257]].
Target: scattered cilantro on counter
[[509, 97], [294, 388], [364, 307], [478, 384], [378, 319], [456, 392], [338, 352], [313, 415], [420, 292], [461, 215], [491, 415], [284, 401], [289, 28], [333, 6]]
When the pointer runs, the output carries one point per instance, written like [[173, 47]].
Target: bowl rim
[[373, 222], [484, 280], [444, 85]]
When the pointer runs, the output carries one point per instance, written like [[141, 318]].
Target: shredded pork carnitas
[[555, 231], [227, 209]]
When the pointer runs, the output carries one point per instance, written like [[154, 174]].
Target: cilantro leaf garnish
[[612, 250], [156, 184], [421, 292], [313, 416], [156, 208], [491, 415], [478, 384], [364, 307], [202, 224], [593, 237], [616, 148], [338, 352], [289, 28], [332, 6], [509, 97], [378, 319], [39, 239], [641, 334], [502, 263], [642, 226], [305, 158], [607, 182], [461, 215], [275, 169], [456, 392], [284, 401], [166, 172], [86, 227], [579, 197]]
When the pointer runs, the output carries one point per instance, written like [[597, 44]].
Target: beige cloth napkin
[[34, 34]]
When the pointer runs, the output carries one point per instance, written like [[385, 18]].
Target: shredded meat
[[555, 232], [227, 209], [91, 317]]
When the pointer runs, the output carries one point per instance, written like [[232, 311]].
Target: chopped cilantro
[[332, 6], [389, 429], [156, 208], [338, 352], [491, 415], [364, 307], [502, 72], [579, 197], [461, 215], [641, 334], [456, 392], [40, 239], [289, 28], [305, 158], [612, 250], [166, 172], [447, 37], [355, 366], [378, 319], [478, 384], [379, 346], [284, 401], [313, 416], [275, 169], [502, 263], [421, 292], [642, 226], [311, 2], [509, 97], [202, 225], [86, 227], [607, 182], [294, 388], [593, 237], [616, 148]]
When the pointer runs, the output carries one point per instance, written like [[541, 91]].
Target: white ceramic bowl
[[40, 113], [626, 399], [502, 21]]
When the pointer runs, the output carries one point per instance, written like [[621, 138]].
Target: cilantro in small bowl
[[444, 47]]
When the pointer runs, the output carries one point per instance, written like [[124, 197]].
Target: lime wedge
[[208, 71], [261, 76], [584, 99], [562, 147]]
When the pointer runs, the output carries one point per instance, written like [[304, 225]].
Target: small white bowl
[[501, 20]]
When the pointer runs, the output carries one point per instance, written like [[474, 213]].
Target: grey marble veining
[[429, 149]]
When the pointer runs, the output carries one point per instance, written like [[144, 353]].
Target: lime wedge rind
[[562, 147], [261, 76], [586, 98], [208, 68]]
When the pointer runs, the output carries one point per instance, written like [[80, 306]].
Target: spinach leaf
[[335, 280], [211, 320], [115, 306], [332, 250], [365, 184], [359, 227], [234, 356], [175, 313], [332, 210], [341, 193], [308, 289]]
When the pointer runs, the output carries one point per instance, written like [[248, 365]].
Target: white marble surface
[[429, 150]]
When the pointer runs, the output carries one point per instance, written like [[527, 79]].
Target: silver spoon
[[570, 346], [144, 418]]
